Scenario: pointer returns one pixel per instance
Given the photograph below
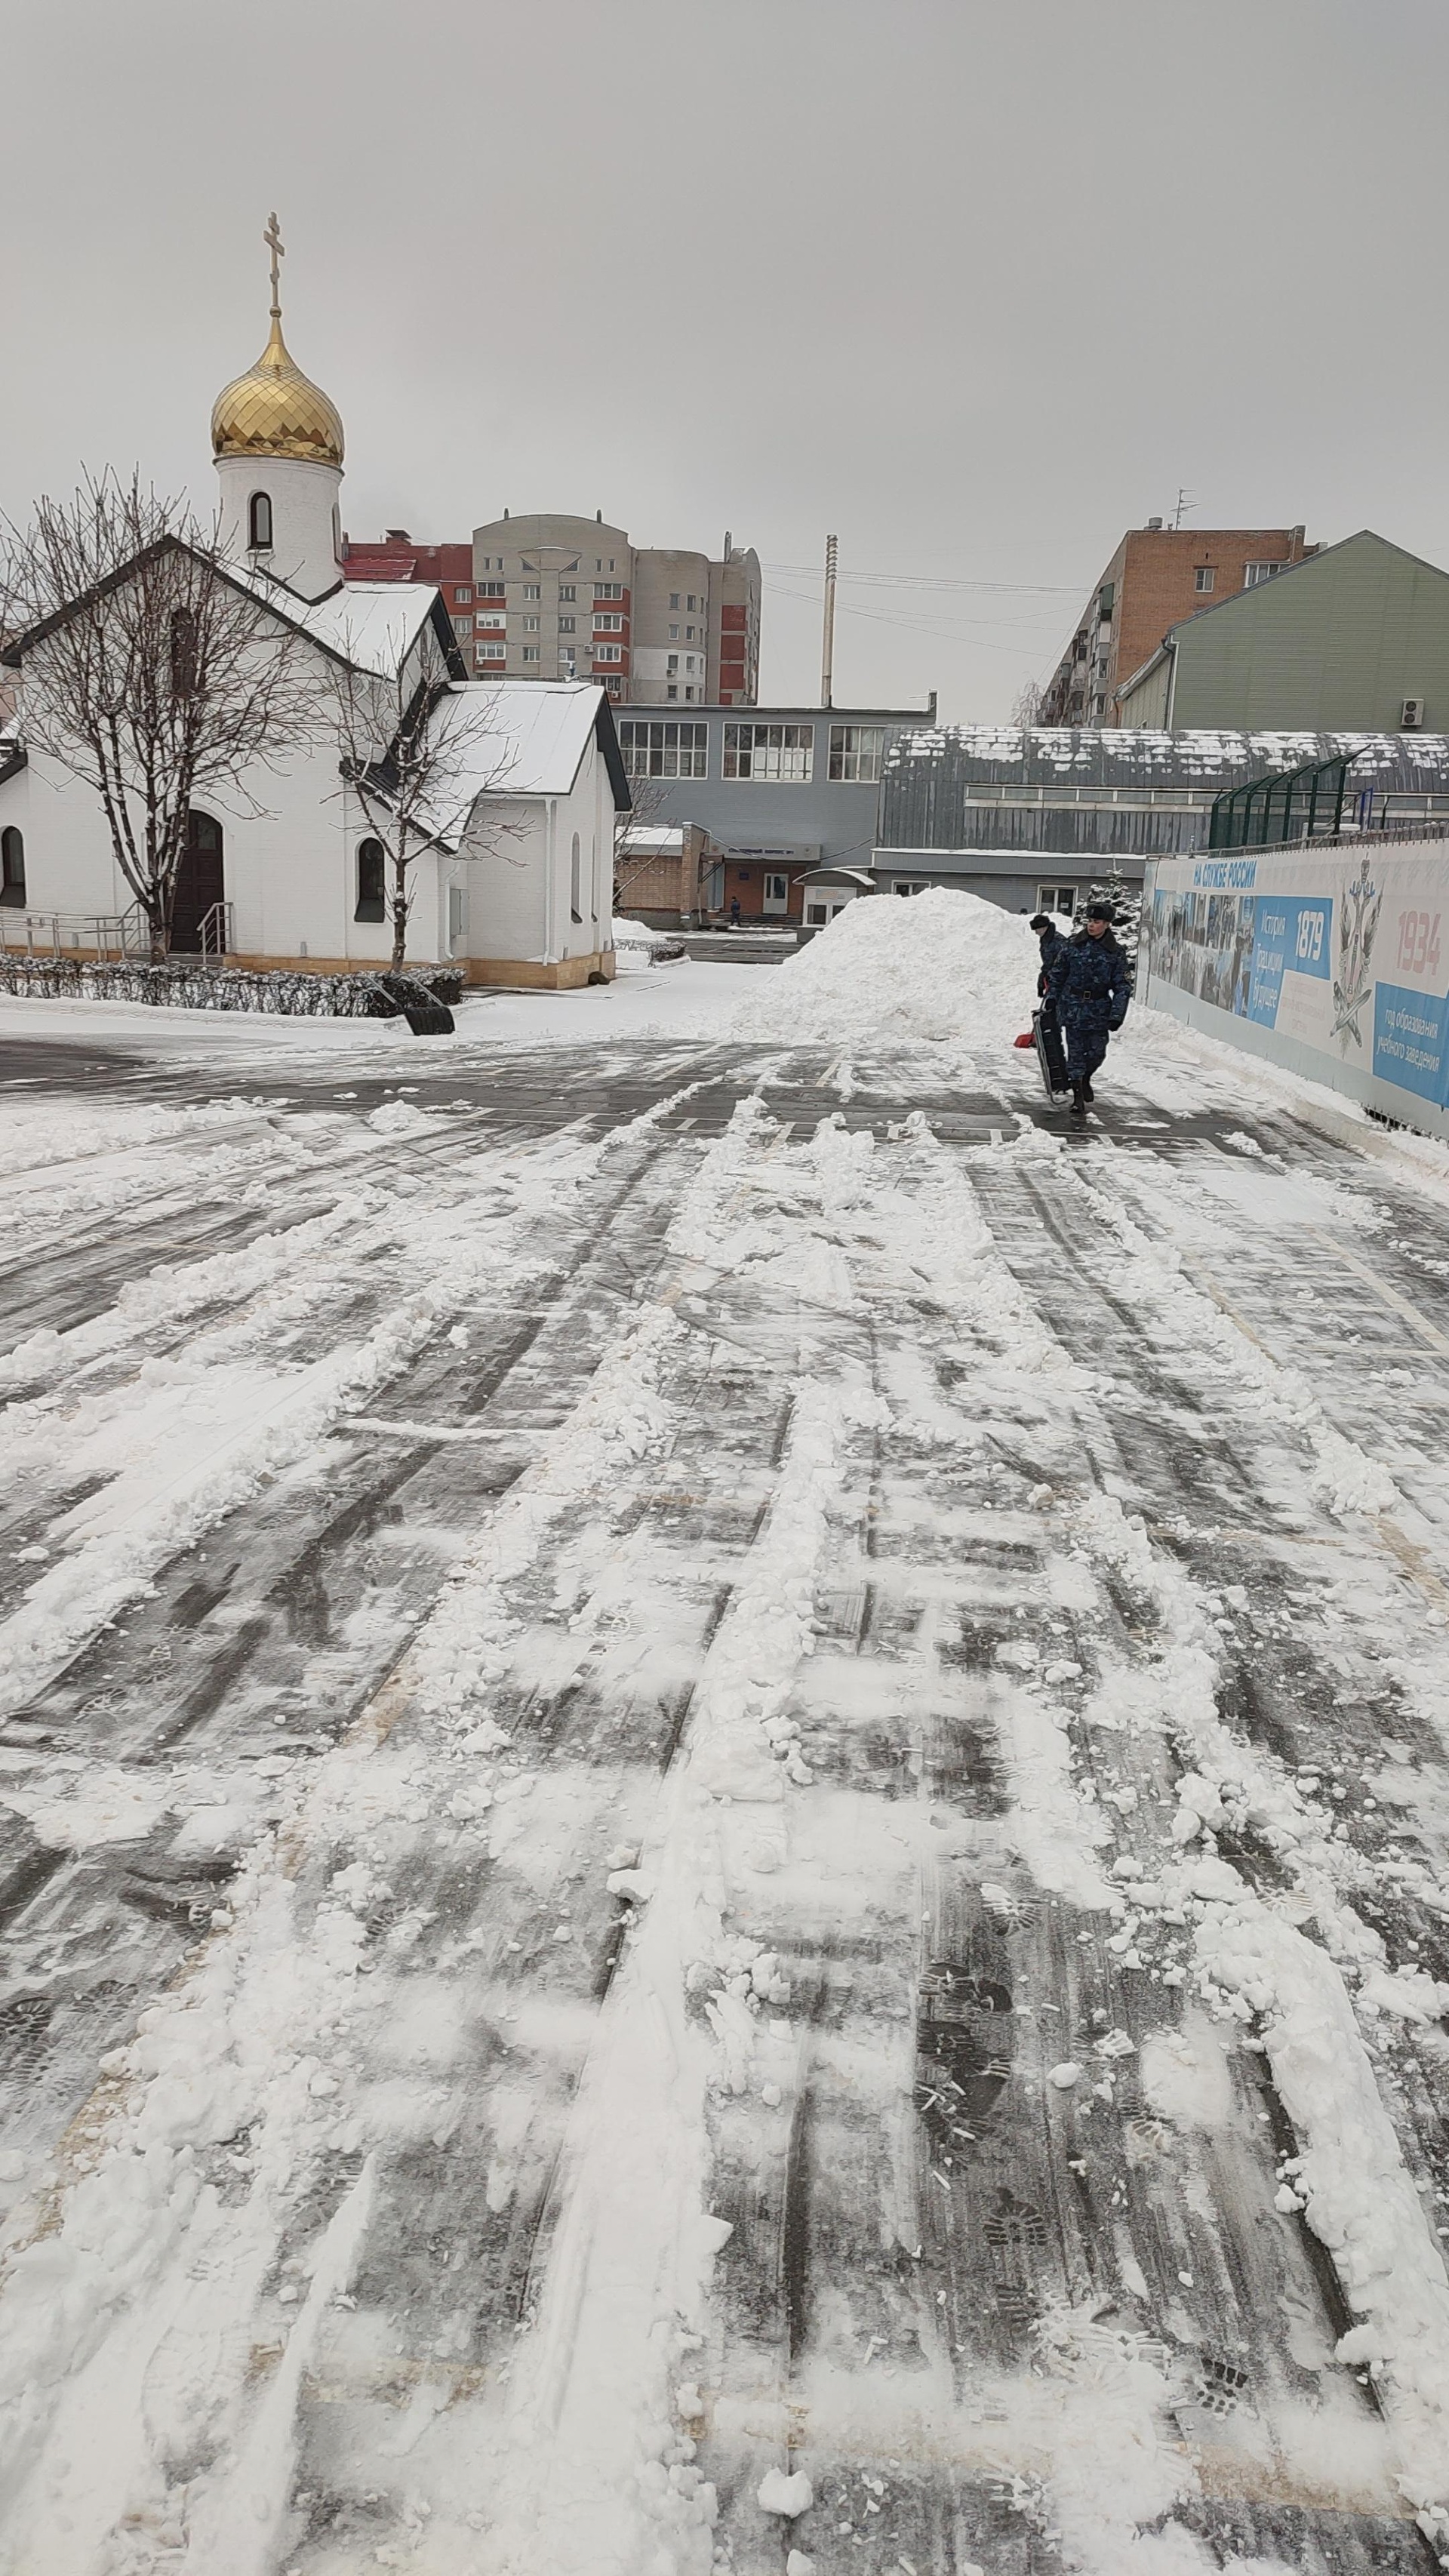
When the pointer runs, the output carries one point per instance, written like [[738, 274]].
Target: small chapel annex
[[515, 889]]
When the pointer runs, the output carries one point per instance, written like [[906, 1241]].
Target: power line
[[890, 617], [934, 629], [942, 581]]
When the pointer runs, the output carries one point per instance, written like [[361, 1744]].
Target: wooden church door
[[200, 882]]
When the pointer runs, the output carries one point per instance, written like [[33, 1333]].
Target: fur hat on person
[[1041, 921], [1100, 912]]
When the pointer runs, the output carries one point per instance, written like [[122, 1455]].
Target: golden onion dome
[[274, 410]]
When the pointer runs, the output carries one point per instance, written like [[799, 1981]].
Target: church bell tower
[[277, 441]]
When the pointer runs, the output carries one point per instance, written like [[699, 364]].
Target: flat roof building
[[779, 790], [1028, 818]]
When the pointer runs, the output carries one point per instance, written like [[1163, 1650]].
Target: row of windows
[[1205, 575], [606, 622], [667, 747], [486, 654], [780, 752], [567, 590], [495, 563]]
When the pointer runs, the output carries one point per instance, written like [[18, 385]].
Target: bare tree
[[650, 808], [1026, 705], [416, 753], [149, 669]]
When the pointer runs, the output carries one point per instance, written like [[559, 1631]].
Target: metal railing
[[104, 935], [1350, 837], [215, 934]]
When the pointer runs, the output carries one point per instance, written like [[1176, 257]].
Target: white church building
[[515, 888]]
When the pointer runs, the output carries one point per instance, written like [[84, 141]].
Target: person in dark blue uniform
[[1050, 939], [1090, 985]]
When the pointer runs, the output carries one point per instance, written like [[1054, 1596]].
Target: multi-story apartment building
[[1157, 577], [548, 597]]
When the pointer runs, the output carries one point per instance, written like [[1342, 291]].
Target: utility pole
[[827, 651], [1183, 503]]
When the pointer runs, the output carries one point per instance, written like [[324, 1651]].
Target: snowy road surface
[[725, 1786]]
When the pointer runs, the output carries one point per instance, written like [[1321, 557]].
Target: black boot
[[1080, 1096], [1088, 1093]]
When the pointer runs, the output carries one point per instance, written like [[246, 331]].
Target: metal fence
[[1287, 805]]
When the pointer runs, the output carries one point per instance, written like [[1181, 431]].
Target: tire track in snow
[[1265, 1794], [351, 1816], [1124, 2197], [249, 1653]]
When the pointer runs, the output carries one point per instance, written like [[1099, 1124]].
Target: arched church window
[[259, 521], [371, 881], [12, 865], [183, 652], [575, 882]]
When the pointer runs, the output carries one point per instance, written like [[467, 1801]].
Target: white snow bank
[[942, 965], [624, 933]]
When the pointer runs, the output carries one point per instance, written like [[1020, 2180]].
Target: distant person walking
[[1089, 983], [734, 912], [1051, 938]]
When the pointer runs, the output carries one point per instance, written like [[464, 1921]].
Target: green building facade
[[1356, 638]]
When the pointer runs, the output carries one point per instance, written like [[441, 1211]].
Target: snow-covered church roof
[[374, 625], [519, 738]]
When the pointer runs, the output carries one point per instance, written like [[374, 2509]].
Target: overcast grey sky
[[976, 283]]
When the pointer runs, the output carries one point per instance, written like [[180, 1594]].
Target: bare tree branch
[[650, 807], [414, 751], [151, 669]]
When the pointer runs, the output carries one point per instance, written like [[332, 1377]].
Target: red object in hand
[[1028, 1040]]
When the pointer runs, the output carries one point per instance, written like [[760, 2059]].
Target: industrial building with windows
[[1029, 819], [780, 793]]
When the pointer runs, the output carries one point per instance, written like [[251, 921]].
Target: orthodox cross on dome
[[273, 239]]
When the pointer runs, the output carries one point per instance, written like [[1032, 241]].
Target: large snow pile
[[934, 965]]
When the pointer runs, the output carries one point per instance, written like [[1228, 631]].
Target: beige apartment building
[[558, 598], [1157, 577]]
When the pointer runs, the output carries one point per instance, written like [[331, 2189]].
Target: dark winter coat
[[1088, 981], [1051, 941]]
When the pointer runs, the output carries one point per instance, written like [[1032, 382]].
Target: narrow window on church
[[576, 891], [259, 522], [12, 866], [183, 652], [371, 881]]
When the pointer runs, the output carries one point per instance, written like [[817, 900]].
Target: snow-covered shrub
[[186, 986]]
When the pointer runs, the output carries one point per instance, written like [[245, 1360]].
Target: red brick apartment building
[[396, 558], [1157, 577]]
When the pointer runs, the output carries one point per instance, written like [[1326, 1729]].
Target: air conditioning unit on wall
[[1412, 719]]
